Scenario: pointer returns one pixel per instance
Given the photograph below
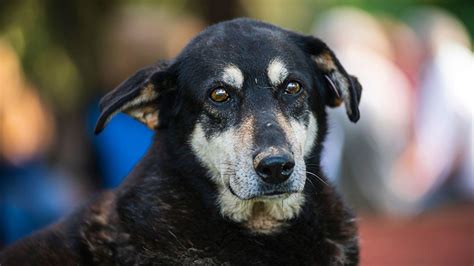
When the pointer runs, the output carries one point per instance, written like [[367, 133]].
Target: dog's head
[[248, 97]]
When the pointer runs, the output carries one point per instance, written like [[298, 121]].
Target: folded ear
[[138, 96], [341, 86]]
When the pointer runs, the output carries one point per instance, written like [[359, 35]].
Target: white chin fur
[[261, 215]]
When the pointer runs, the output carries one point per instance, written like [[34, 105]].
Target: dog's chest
[[184, 240], [228, 249]]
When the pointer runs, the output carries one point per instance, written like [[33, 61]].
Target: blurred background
[[406, 167]]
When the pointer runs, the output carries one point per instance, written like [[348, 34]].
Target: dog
[[233, 176]]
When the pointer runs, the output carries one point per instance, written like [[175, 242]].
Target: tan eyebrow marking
[[233, 76], [277, 72]]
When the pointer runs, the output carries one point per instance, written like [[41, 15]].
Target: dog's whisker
[[311, 183], [319, 178]]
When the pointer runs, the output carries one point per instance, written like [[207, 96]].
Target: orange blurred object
[[444, 237], [26, 127]]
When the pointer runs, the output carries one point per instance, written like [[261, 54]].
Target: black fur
[[166, 213]]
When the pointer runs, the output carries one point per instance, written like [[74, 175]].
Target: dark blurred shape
[[76, 26], [134, 37], [214, 11]]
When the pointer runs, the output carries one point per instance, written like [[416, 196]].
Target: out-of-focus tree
[[57, 42]]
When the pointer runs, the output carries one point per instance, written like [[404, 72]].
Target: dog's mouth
[[274, 194], [270, 195]]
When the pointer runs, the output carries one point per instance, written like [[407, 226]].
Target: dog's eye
[[293, 87], [219, 95]]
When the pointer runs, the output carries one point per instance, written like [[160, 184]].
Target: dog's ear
[[341, 86], [139, 96]]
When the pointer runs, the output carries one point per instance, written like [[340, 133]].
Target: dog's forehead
[[239, 50], [231, 38]]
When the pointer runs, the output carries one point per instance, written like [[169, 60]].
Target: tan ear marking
[[151, 119], [325, 62], [149, 91], [148, 115]]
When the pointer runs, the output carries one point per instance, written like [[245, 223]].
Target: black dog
[[233, 176]]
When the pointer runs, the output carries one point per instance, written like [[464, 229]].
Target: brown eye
[[219, 95], [293, 87]]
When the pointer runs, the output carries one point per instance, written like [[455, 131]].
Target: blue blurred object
[[119, 147], [30, 198]]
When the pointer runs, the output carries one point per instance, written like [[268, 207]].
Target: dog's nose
[[275, 169]]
